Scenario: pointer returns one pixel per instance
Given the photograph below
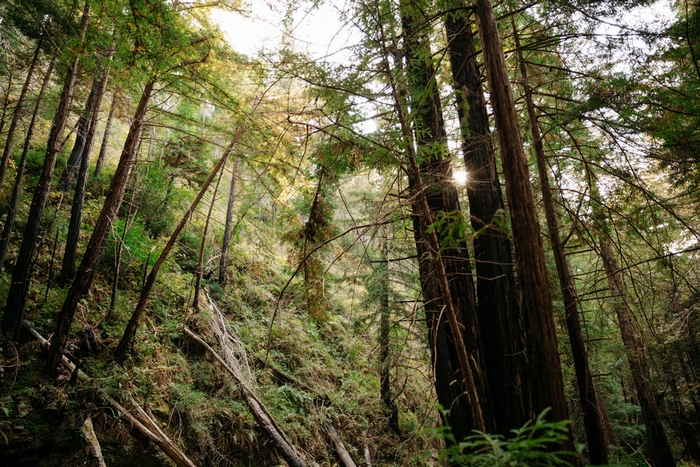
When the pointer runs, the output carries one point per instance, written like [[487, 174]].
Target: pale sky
[[320, 32]]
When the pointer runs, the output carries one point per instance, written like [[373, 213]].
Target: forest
[[461, 234]]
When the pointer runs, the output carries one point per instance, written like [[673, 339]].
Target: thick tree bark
[[9, 142], [76, 213], [660, 450], [541, 340], [17, 295], [132, 325], [228, 227], [17, 187], [105, 138], [98, 240], [446, 281], [593, 423], [498, 310]]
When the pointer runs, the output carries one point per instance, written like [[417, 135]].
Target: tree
[[16, 298], [545, 367]]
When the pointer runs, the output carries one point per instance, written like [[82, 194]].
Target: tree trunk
[[17, 295], [98, 240], [105, 138], [538, 313], [81, 136], [498, 310], [597, 449], [446, 279], [76, 213], [659, 448], [228, 228], [9, 142], [130, 330], [200, 263], [17, 187]]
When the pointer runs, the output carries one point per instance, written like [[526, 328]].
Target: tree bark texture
[[9, 142], [76, 213], [98, 240], [132, 325], [446, 281], [228, 227], [17, 187], [17, 295], [498, 310], [592, 414], [541, 340]]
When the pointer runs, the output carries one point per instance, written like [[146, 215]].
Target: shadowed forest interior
[[349, 233]]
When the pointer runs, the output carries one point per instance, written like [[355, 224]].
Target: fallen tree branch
[[343, 454], [288, 452], [93, 442], [161, 440]]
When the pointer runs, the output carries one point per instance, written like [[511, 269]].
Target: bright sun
[[460, 176]]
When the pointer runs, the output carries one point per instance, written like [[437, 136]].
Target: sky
[[319, 31]]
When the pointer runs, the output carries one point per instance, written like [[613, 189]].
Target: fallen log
[[343, 453], [160, 439], [262, 416], [93, 443]]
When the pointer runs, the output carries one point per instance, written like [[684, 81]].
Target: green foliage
[[530, 446]]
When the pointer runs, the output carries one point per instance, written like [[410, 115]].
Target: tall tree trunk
[[541, 340], [98, 240], [446, 281], [498, 310], [130, 330], [105, 138], [76, 155], [9, 142], [76, 213], [659, 448], [17, 295], [200, 263], [592, 413], [228, 227], [17, 187]]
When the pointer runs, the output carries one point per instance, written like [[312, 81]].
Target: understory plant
[[530, 446]]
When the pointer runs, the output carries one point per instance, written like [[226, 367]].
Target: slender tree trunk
[[17, 295], [76, 213], [105, 138], [118, 255], [228, 228], [446, 281], [130, 330], [597, 449], [200, 264], [9, 142], [659, 448], [6, 101], [98, 240], [498, 310], [76, 155], [17, 187]]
